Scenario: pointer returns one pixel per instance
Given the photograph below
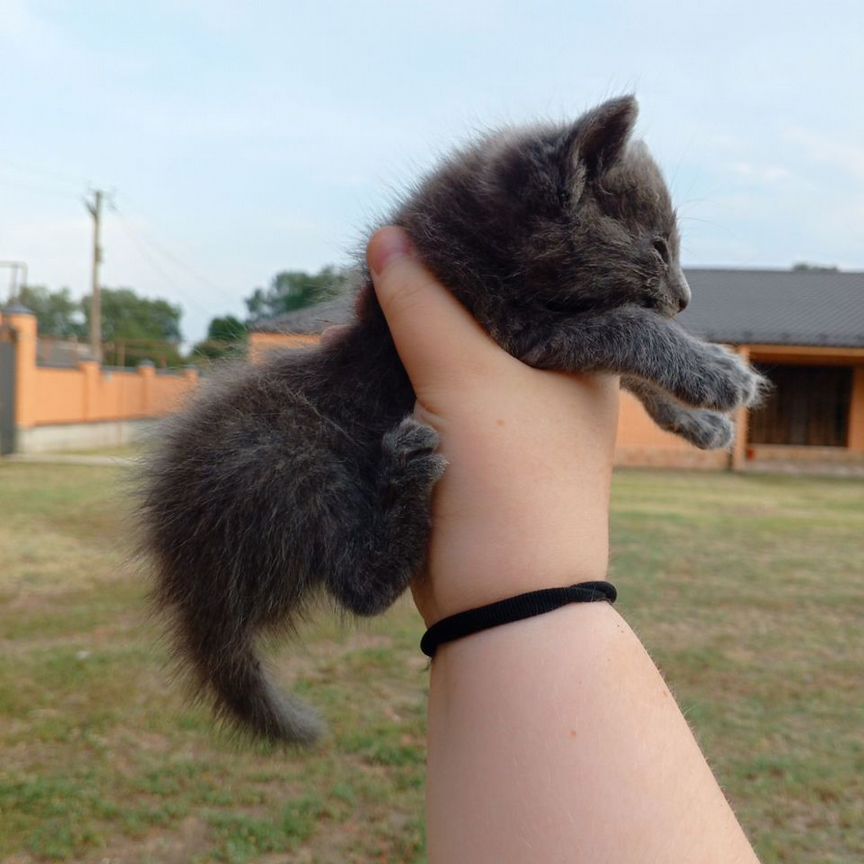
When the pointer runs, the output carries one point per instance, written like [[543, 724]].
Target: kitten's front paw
[[409, 450], [728, 382], [707, 430]]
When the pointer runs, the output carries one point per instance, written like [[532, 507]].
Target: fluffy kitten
[[309, 472]]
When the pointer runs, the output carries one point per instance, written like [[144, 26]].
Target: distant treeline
[[136, 328]]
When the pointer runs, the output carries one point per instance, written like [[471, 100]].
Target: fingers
[[438, 340]]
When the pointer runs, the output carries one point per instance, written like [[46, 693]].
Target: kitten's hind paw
[[393, 549], [410, 451]]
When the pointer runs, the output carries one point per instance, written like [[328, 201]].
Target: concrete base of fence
[[82, 436]]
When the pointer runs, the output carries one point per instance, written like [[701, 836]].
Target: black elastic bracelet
[[512, 609]]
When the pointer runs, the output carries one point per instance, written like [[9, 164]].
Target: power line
[[147, 247], [160, 248], [225, 292], [151, 262]]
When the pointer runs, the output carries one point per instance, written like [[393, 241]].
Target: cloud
[[218, 16], [15, 19], [844, 155], [760, 173]]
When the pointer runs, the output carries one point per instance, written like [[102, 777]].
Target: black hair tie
[[512, 609]]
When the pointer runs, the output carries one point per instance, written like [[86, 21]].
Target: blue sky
[[242, 139]]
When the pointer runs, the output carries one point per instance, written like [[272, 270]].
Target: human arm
[[554, 738]]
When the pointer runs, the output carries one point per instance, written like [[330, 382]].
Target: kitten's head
[[558, 219]]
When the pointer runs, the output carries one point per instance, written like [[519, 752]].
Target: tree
[[137, 328], [125, 315], [226, 329], [58, 315], [134, 328], [804, 267], [294, 289], [225, 336]]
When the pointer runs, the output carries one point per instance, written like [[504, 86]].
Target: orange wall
[[261, 343], [640, 441], [88, 393], [59, 398], [637, 429]]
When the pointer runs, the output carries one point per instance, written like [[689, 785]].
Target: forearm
[[555, 739]]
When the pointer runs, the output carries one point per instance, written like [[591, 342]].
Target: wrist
[[524, 503], [511, 610], [472, 570]]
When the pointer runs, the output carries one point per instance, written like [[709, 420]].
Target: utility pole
[[16, 283], [95, 209]]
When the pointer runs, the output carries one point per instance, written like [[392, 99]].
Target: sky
[[241, 139]]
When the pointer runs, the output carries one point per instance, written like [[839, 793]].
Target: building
[[804, 328]]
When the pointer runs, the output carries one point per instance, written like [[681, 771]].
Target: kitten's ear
[[598, 138]]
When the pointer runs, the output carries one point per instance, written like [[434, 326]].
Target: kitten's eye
[[661, 247]]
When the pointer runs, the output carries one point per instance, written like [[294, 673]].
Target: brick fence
[[79, 406]]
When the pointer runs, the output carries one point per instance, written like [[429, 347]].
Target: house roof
[[765, 307], [312, 319], [777, 307]]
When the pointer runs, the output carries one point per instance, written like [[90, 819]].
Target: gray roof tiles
[[777, 307], [312, 319], [771, 307]]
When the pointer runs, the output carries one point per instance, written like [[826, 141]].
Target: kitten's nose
[[681, 291]]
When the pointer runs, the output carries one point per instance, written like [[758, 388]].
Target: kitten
[[309, 472]]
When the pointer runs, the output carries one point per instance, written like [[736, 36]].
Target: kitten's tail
[[228, 672]]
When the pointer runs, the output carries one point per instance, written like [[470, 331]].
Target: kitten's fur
[[309, 471]]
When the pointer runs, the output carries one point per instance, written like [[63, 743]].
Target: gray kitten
[[309, 472]]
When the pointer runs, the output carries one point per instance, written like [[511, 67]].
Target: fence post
[[147, 371], [23, 321], [856, 413], [90, 372]]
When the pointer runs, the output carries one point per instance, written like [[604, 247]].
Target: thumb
[[438, 340]]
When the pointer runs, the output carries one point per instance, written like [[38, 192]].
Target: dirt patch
[[178, 845]]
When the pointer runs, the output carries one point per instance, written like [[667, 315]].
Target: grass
[[747, 591]]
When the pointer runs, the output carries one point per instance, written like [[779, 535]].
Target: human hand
[[524, 503]]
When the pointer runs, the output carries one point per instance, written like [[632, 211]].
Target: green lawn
[[747, 590]]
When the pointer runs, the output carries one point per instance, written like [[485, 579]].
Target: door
[[8, 356], [808, 406]]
